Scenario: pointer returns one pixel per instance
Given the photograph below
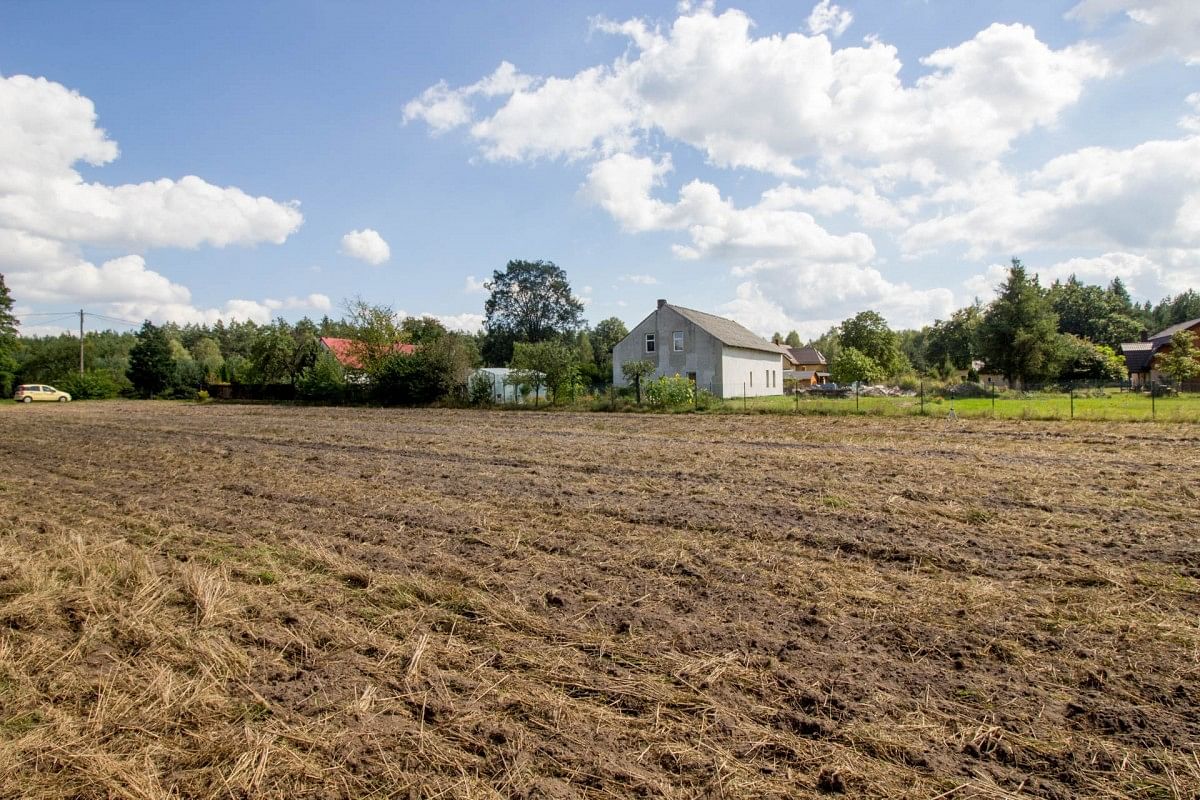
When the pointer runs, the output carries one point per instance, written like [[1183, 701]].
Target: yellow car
[[29, 392]]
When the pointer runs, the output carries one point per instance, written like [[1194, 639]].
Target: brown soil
[[276, 602]]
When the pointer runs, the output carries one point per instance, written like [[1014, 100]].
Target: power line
[[113, 319], [59, 318], [63, 314]]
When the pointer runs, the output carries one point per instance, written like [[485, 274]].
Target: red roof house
[[343, 350]]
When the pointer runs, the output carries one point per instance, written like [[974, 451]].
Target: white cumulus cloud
[[828, 18], [772, 102], [1152, 29], [622, 185], [1141, 197], [366, 245], [49, 214], [45, 129]]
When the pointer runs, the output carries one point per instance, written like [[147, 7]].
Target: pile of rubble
[[885, 391]]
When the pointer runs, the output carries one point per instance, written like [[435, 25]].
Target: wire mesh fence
[[1082, 400], [1063, 400]]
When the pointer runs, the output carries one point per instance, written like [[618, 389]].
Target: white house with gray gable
[[717, 353]]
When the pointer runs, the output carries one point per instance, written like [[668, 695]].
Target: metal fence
[[1063, 400]]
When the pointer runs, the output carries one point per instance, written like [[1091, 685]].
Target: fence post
[[856, 385], [743, 397], [796, 396], [1153, 410], [922, 398], [993, 388], [1071, 389]]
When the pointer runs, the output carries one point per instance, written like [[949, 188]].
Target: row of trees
[[533, 324], [1068, 331]]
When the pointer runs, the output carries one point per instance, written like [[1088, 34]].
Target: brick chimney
[[661, 302]]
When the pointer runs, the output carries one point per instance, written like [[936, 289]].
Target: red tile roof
[[343, 350]]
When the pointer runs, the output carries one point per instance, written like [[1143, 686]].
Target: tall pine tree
[[1019, 333], [151, 367]]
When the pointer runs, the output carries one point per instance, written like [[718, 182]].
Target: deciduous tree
[[530, 301], [272, 353], [854, 366], [1084, 360], [375, 334], [548, 364], [207, 353], [955, 339], [605, 336], [635, 371], [422, 330], [868, 333]]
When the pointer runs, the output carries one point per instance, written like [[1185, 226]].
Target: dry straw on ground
[[216, 601]]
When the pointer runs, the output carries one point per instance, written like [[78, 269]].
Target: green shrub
[[670, 392], [203, 397], [479, 389], [706, 400], [617, 401], [188, 378], [94, 385], [570, 387], [431, 373], [323, 382]]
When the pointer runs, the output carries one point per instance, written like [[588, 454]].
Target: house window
[[677, 341], [751, 379], [767, 375], [649, 342]]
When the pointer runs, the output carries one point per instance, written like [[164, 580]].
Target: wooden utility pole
[[81, 341]]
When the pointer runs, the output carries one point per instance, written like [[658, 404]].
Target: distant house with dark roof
[[1140, 356], [717, 353], [809, 365], [343, 350]]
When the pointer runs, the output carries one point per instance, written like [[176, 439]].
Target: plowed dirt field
[[239, 601]]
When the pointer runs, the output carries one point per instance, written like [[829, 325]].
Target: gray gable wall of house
[[701, 353]]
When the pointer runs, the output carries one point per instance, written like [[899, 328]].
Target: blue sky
[[785, 164]]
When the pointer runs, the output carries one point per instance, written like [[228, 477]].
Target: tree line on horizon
[[1066, 332], [534, 324]]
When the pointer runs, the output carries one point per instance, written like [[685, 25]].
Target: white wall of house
[[757, 372]]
